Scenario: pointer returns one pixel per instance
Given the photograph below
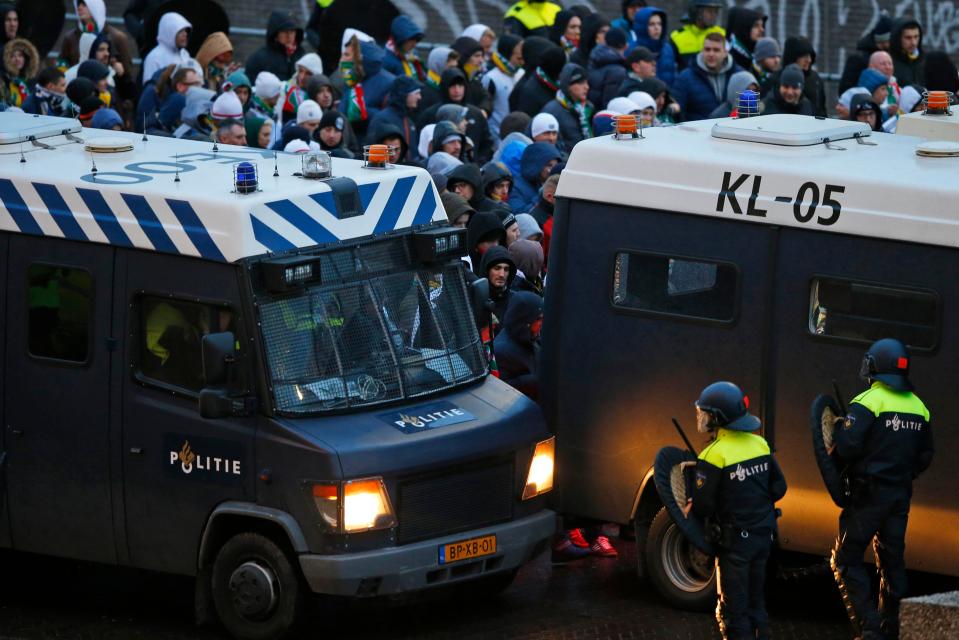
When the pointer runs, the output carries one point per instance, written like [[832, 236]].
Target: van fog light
[[539, 480]]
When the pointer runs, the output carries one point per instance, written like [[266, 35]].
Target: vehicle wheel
[[682, 574], [256, 589]]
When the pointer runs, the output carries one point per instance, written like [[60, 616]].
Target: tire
[[683, 575], [256, 589]]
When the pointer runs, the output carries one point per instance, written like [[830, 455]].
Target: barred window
[[867, 312], [371, 341], [686, 287]]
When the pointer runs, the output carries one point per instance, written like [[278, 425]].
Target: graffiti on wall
[[452, 16]]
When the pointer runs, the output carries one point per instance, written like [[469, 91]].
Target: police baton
[[682, 434]]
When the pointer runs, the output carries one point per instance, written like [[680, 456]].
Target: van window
[[170, 337], [675, 286], [867, 312], [60, 307]]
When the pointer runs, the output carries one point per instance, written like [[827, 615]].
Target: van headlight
[[354, 506], [366, 506], [539, 479]]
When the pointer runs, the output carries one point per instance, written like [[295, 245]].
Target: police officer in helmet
[[737, 485], [886, 442]]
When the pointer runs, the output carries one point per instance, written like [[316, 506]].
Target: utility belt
[[725, 536], [859, 488]]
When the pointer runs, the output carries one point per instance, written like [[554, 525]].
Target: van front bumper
[[416, 566]]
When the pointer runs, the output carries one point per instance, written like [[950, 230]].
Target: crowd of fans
[[492, 116]]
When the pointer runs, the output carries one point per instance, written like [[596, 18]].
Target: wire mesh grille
[[372, 341]]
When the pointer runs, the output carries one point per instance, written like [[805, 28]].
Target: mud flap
[[822, 422], [674, 475]]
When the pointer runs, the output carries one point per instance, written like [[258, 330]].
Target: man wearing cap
[[266, 95], [876, 39], [702, 19], [571, 107], [701, 87], [226, 107], [295, 90], [405, 95], [545, 128], [331, 134], [607, 67], [886, 442], [737, 484], [788, 97], [641, 63], [874, 82], [308, 116], [769, 61]]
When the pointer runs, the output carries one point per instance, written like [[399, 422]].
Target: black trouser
[[741, 610], [878, 513]]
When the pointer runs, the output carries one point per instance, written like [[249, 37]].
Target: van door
[[644, 309], [835, 295], [57, 422], [177, 465]]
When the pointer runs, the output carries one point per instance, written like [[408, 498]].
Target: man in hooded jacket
[[571, 107], [282, 49], [659, 46], [172, 36], [404, 97], [483, 233], [401, 58], [906, 51], [500, 280], [517, 345], [787, 96], [607, 68], [539, 86], [876, 39], [744, 27], [799, 50], [472, 62], [739, 82], [537, 161], [120, 44], [367, 84], [454, 90], [701, 86]]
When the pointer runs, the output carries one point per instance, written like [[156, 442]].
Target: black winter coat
[[607, 72], [272, 57]]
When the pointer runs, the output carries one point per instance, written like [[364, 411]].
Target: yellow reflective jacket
[[689, 39], [534, 15]]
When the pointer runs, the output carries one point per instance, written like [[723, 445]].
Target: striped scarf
[[433, 79], [503, 64], [545, 79], [356, 105], [582, 110]]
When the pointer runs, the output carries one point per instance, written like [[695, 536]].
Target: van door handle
[[136, 450]]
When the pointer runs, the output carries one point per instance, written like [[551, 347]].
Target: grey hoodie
[[716, 78], [738, 83]]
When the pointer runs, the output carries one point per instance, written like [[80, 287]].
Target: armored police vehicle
[[260, 371], [769, 251]]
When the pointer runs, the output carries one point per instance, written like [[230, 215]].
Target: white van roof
[[879, 185], [48, 186]]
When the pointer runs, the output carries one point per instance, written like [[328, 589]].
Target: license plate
[[467, 549]]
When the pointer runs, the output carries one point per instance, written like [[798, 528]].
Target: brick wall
[[834, 26]]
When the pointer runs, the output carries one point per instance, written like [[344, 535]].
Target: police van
[[260, 370], [769, 251]]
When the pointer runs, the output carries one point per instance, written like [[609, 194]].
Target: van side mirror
[[217, 398], [482, 305], [219, 353]]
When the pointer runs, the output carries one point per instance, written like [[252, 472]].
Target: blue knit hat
[[871, 79]]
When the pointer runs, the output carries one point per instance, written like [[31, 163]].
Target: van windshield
[[373, 340]]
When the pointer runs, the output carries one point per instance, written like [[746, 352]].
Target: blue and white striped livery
[[177, 196]]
